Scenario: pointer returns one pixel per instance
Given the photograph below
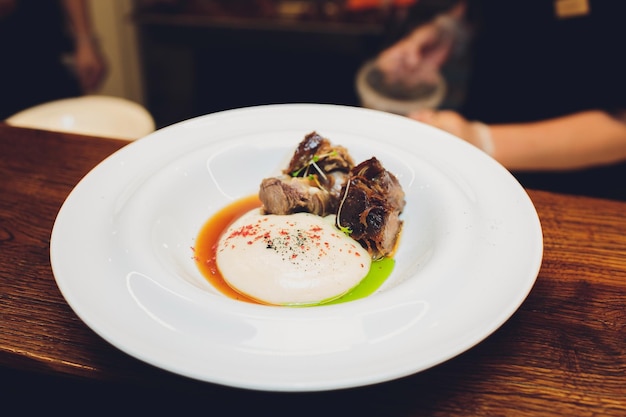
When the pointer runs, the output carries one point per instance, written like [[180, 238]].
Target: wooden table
[[562, 353]]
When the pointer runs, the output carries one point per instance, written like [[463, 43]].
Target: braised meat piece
[[316, 150], [370, 208], [321, 179], [312, 182], [287, 195]]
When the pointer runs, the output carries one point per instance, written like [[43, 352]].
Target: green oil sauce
[[378, 274]]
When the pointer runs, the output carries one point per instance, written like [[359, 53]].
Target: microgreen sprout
[[344, 229], [314, 179], [313, 163], [318, 169]]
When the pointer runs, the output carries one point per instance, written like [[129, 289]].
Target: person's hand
[[476, 133], [418, 57], [91, 67]]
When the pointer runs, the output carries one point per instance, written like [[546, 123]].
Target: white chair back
[[96, 115]]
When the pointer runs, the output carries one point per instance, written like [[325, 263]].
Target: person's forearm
[[80, 20], [576, 141]]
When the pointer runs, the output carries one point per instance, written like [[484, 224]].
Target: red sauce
[[207, 240]]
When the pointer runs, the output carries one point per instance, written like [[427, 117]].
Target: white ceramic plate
[[121, 252]]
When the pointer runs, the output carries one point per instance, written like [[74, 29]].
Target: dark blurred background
[[203, 56]]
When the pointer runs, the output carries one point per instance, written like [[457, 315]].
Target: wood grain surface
[[563, 353]]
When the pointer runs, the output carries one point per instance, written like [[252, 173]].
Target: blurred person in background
[[546, 91], [36, 39]]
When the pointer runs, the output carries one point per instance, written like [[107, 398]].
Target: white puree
[[290, 259]]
